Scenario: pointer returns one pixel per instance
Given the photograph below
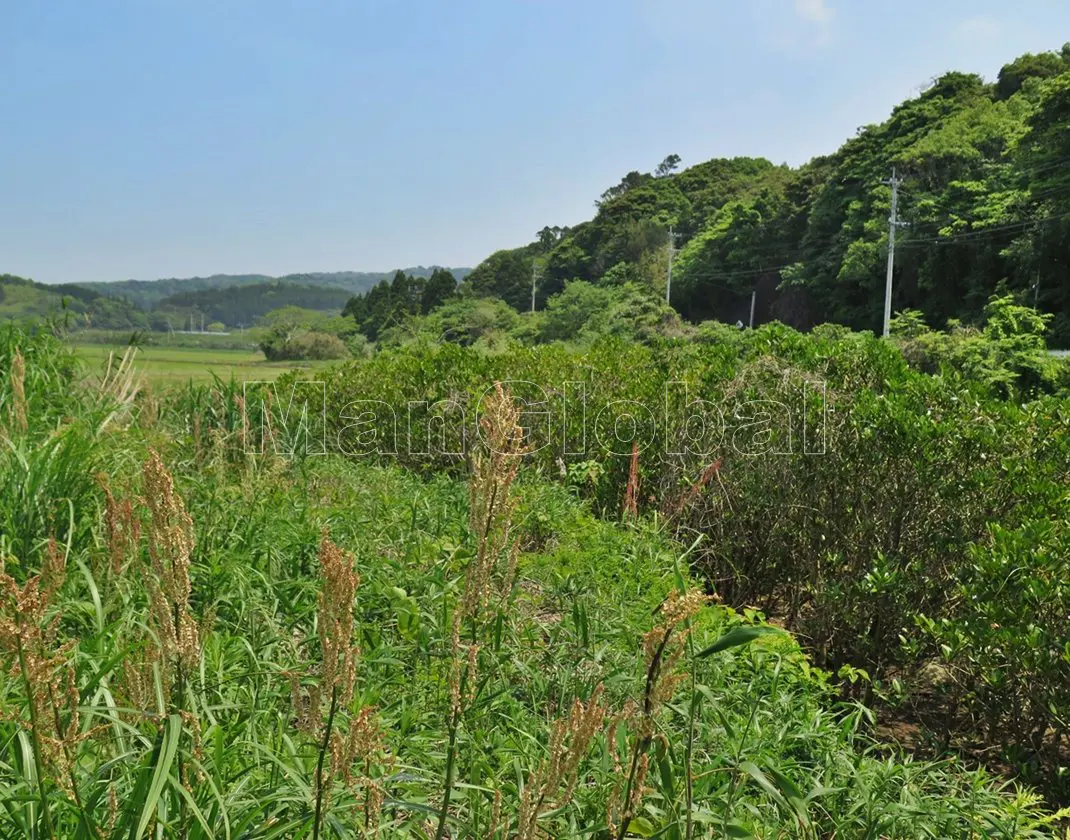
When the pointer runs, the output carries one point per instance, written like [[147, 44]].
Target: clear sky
[[170, 138]]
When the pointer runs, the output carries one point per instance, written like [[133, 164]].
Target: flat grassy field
[[178, 365]]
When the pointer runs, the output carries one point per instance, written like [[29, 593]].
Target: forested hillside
[[147, 293], [74, 305], [163, 305], [984, 202], [236, 306]]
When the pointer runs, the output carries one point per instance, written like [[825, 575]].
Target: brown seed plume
[[663, 647], [122, 526], [554, 783], [335, 622], [171, 543], [631, 492], [492, 503], [29, 622], [350, 743], [19, 414]]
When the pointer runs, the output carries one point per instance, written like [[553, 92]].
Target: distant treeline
[[243, 305], [393, 301], [162, 305], [146, 294], [22, 299]]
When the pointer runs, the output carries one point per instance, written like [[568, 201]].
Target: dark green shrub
[[303, 345], [1008, 354], [1004, 645]]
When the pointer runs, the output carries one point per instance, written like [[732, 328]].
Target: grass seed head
[[335, 620], [28, 628], [19, 411], [554, 783], [171, 543], [664, 645], [491, 503], [122, 526]]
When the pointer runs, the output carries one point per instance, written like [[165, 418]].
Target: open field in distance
[[176, 365]]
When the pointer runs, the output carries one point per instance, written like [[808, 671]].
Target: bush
[[358, 346], [638, 313], [463, 321], [716, 332], [1004, 644], [569, 312], [303, 345], [1008, 354]]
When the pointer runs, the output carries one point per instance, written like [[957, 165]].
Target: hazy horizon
[[406, 268]]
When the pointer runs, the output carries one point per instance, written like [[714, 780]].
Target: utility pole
[[893, 223], [534, 278], [753, 300], [1036, 286], [672, 253]]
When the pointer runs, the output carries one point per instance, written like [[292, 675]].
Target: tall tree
[[667, 166], [506, 275], [440, 286]]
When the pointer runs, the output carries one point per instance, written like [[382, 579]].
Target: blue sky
[[170, 138]]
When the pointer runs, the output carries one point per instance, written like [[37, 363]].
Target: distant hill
[[233, 299], [146, 294], [241, 305], [19, 297], [81, 307]]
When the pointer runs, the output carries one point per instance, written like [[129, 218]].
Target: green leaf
[[164, 757], [641, 827], [751, 769], [739, 636], [784, 792]]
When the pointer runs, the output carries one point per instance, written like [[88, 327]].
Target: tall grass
[[225, 646], [847, 496]]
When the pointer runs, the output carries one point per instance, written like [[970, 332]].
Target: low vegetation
[[833, 484], [204, 642]]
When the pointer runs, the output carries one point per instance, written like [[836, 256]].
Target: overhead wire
[[961, 237]]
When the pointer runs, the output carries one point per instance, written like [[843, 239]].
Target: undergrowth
[[200, 643]]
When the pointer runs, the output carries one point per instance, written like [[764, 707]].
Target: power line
[[1057, 163], [915, 242], [746, 272], [814, 246], [962, 213], [1012, 168], [1052, 192], [1027, 196], [983, 233]]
